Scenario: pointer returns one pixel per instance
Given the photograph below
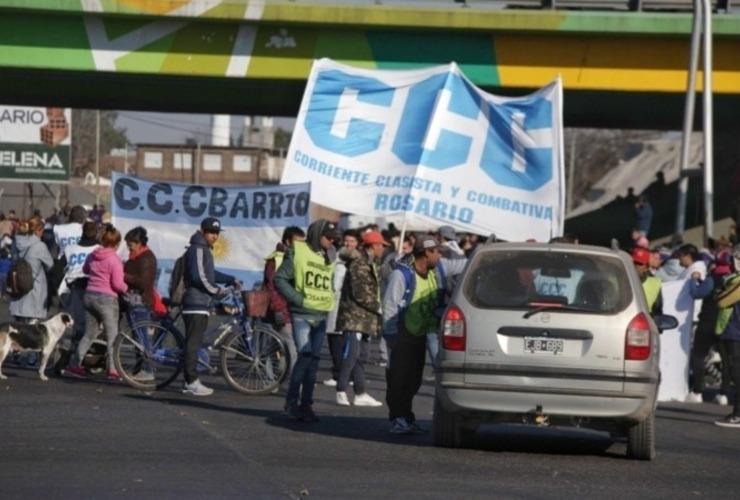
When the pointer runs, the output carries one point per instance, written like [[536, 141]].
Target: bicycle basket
[[256, 302]]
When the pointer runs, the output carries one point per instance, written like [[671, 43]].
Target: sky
[[176, 128]]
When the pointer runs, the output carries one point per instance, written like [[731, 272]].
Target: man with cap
[[359, 316], [411, 309], [305, 280], [201, 286], [650, 284]]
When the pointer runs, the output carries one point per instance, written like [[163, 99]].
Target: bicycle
[[253, 358]]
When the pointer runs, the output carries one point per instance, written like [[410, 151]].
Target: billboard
[[35, 144]]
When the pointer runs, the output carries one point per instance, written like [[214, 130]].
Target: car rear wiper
[[541, 307]]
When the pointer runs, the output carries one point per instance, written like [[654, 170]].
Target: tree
[[84, 138], [282, 138]]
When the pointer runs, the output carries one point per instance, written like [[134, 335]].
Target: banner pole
[[400, 240]]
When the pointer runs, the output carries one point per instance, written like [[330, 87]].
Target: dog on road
[[40, 337]]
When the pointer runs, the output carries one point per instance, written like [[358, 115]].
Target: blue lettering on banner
[[415, 119], [246, 206], [519, 207], [435, 209], [515, 136], [361, 135], [333, 171], [510, 163]]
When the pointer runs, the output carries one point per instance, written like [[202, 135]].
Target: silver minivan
[[549, 334]]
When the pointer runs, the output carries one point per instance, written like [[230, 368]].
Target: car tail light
[[638, 343], [453, 332]]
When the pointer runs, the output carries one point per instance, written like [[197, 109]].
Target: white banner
[[675, 345], [428, 144], [253, 218]]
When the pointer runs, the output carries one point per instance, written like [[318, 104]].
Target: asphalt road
[[70, 438]]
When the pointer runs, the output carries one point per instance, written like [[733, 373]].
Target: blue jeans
[[308, 333]]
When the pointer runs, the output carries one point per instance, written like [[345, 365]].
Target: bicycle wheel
[[255, 363], [149, 356]]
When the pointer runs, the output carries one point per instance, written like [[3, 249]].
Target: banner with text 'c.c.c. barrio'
[[252, 217]]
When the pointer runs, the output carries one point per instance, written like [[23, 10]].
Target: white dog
[[41, 337]]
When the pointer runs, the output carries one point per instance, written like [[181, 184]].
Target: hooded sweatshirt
[[33, 304], [201, 277], [285, 275], [105, 271]]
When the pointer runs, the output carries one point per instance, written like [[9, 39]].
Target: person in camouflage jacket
[[359, 315]]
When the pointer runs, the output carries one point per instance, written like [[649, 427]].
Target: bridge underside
[[272, 97], [618, 71]]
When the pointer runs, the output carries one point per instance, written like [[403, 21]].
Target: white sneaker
[[330, 382], [721, 400], [196, 388], [693, 397], [342, 399], [366, 399]]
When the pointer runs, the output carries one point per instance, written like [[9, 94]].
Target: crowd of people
[[350, 287]]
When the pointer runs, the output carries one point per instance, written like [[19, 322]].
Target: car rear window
[[514, 279]]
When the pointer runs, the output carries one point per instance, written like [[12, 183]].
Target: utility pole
[[197, 164], [97, 158], [571, 172]]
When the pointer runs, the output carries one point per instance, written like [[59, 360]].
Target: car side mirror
[[665, 322]]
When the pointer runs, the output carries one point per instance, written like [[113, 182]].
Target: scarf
[[136, 253]]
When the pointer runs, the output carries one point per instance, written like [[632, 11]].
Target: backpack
[[20, 279], [177, 282]]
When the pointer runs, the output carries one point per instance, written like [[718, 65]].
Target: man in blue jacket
[[201, 286]]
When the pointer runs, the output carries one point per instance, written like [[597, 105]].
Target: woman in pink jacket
[[105, 270]]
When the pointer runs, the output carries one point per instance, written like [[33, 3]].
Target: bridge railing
[[719, 6]]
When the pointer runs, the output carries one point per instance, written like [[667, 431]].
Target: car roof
[[561, 247]]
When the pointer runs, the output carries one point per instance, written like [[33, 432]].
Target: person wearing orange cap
[[359, 315], [650, 284]]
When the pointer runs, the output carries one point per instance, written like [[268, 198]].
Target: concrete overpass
[[620, 68]]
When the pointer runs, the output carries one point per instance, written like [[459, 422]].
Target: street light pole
[[708, 125], [97, 158], [688, 122]]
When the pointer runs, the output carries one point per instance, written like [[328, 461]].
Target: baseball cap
[[330, 231], [425, 242], [641, 255], [211, 224], [371, 237], [447, 232]]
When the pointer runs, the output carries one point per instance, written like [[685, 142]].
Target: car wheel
[[641, 439], [448, 429]]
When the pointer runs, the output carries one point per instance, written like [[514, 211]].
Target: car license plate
[[545, 345]]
